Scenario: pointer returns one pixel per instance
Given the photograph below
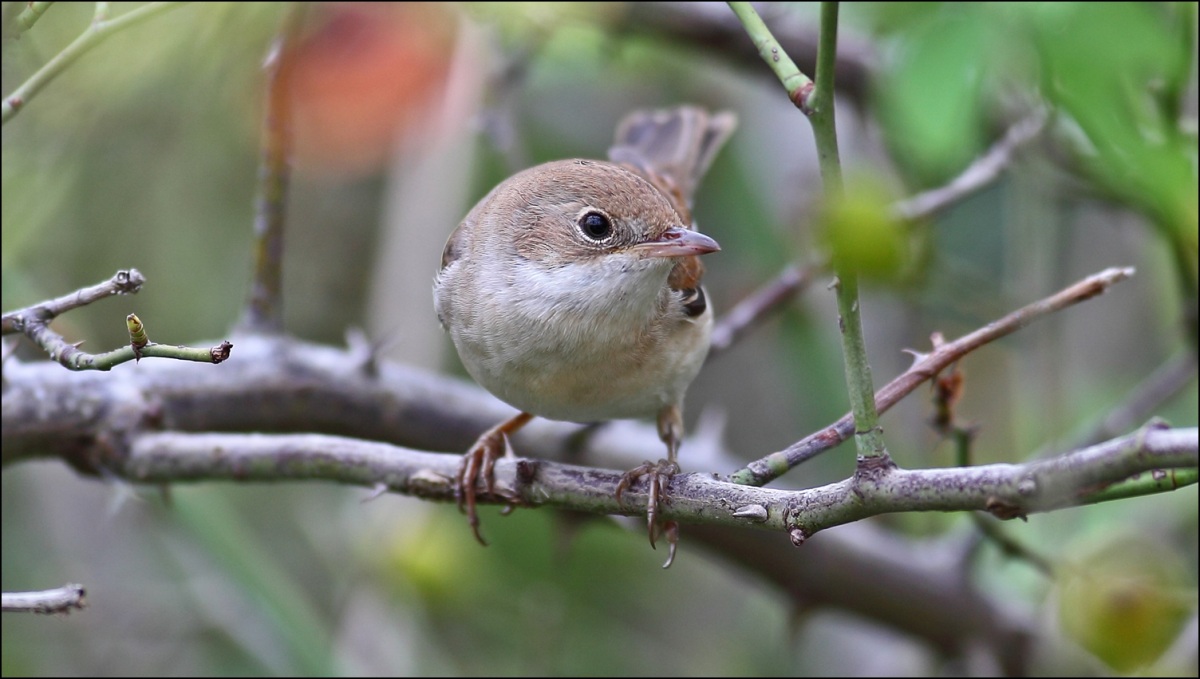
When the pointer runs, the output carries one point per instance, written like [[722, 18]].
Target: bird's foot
[[479, 464], [660, 474]]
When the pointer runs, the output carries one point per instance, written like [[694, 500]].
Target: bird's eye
[[595, 225]]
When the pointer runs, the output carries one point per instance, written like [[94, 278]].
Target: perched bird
[[572, 292]]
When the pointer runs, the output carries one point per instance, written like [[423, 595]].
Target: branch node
[[802, 98], [873, 466]]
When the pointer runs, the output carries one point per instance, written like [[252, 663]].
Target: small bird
[[572, 292]]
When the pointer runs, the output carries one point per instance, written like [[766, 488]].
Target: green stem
[[29, 16], [816, 101], [794, 81], [1161, 481], [867, 436], [820, 112], [96, 33]]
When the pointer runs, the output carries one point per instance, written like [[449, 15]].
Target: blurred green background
[[144, 154]]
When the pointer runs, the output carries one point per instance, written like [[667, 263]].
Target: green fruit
[[1125, 602]]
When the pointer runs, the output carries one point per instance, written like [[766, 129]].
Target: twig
[[1152, 483], [948, 390], [797, 84], [96, 32], [792, 280], [1010, 547], [60, 600], [124, 282], [29, 16], [70, 356], [264, 303], [709, 28], [815, 99], [985, 170], [34, 322], [868, 436], [925, 367]]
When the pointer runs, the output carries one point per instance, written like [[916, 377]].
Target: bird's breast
[[570, 348]]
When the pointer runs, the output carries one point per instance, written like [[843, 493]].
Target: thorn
[[376, 491]]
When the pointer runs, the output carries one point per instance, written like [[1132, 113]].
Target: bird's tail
[[674, 147]]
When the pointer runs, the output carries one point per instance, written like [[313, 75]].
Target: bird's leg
[[479, 463], [670, 430]]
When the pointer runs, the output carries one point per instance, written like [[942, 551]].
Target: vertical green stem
[[820, 105], [815, 99], [868, 437]]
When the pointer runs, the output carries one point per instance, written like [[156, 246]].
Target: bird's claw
[[479, 463], [660, 475]]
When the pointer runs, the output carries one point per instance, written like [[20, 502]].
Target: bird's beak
[[678, 242]]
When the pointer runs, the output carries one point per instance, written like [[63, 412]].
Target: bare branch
[[124, 282], [264, 304], [695, 498], [274, 384], [926, 366], [792, 280], [1172, 376], [281, 384], [34, 322], [978, 175]]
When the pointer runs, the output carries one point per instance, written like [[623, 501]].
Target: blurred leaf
[[244, 558], [1102, 64], [930, 98]]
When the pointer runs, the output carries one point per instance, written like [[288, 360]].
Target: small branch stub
[[797, 536], [221, 351], [128, 281]]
